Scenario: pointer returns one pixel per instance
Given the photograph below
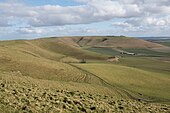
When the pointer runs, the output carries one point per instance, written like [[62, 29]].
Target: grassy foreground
[[22, 94]]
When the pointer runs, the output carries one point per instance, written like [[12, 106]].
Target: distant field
[[106, 51], [138, 51], [165, 43], [146, 52], [146, 63]]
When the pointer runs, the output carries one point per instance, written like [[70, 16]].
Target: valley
[[73, 74]]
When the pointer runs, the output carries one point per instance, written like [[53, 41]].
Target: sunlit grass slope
[[25, 94], [55, 45], [33, 61], [146, 83], [146, 63]]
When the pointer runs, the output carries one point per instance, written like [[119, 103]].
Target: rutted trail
[[123, 92], [118, 91]]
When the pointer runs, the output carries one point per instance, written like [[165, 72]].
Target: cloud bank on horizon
[[23, 19]]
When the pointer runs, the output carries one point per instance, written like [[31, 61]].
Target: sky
[[28, 19]]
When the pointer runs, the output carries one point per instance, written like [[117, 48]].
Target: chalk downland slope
[[37, 62], [66, 48], [46, 67], [108, 41]]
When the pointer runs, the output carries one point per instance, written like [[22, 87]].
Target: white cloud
[[138, 15], [145, 25], [29, 30], [92, 11], [54, 15], [121, 24], [150, 21]]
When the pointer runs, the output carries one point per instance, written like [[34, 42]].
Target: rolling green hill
[[111, 41], [30, 68]]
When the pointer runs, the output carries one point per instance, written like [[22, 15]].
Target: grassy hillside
[[146, 63], [112, 41], [25, 94], [30, 68], [132, 79], [57, 46], [29, 63]]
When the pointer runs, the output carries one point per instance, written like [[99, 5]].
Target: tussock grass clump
[[29, 97]]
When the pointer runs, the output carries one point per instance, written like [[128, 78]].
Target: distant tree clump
[[82, 61]]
